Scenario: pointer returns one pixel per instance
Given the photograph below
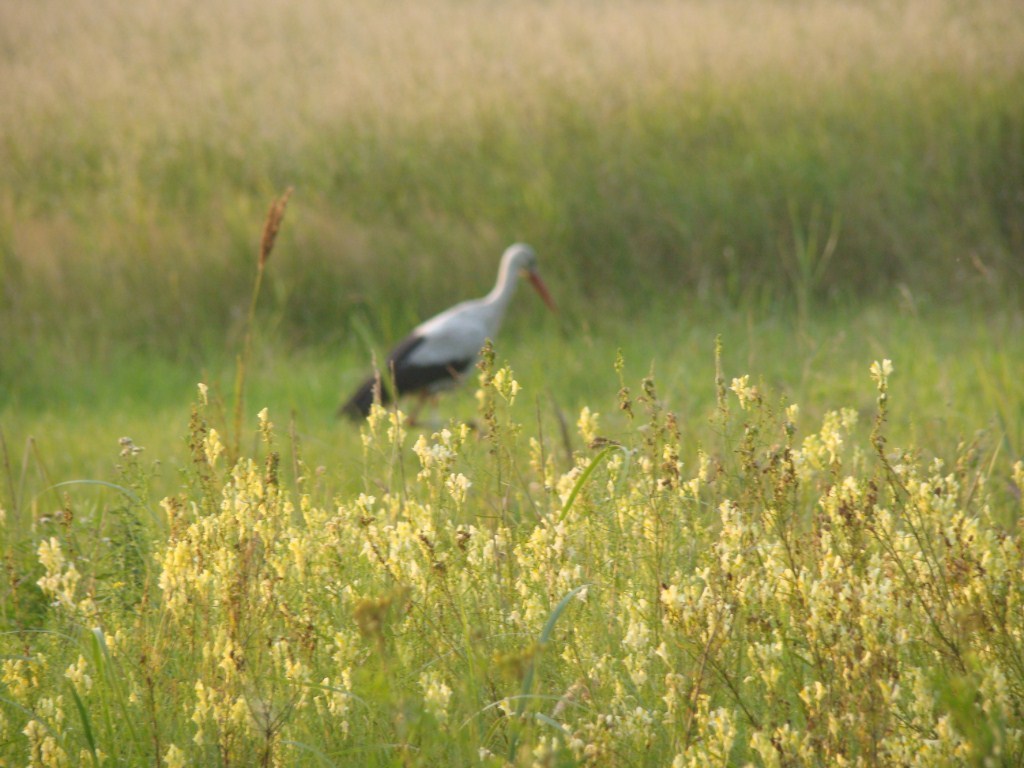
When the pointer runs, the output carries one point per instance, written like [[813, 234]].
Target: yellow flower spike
[[174, 757], [240, 714], [458, 486], [231, 657], [505, 385], [745, 393], [17, 678], [61, 579], [588, 425], [422, 450], [266, 426], [43, 746], [880, 372], [50, 555], [213, 447], [436, 695], [298, 547], [77, 673], [396, 427], [369, 432], [1018, 480]]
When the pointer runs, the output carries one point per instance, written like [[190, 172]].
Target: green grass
[[956, 377], [697, 575], [717, 579], [336, 601]]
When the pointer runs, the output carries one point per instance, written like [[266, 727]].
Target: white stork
[[438, 351]]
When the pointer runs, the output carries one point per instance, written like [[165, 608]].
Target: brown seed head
[[273, 223]]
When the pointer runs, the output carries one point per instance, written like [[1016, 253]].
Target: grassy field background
[[829, 173], [694, 152], [818, 185]]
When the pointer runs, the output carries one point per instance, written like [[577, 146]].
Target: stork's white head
[[519, 258]]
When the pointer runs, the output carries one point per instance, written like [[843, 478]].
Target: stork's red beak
[[542, 289]]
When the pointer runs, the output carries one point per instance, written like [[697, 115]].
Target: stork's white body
[[439, 350]]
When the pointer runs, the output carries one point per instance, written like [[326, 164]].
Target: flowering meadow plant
[[787, 600]]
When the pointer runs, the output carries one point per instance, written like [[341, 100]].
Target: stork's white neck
[[505, 286], [497, 300]]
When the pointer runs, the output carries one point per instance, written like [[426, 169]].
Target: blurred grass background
[[650, 151], [709, 165]]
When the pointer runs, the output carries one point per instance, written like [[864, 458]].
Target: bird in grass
[[438, 351]]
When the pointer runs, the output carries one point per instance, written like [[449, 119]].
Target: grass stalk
[[271, 226]]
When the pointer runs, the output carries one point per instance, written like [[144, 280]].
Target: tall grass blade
[[275, 216], [545, 636], [550, 721], [585, 475], [103, 663], [83, 714], [9, 475], [549, 625]]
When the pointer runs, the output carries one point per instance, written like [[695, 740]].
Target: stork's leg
[[421, 400], [434, 421]]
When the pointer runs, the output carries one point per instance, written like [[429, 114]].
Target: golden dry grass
[[287, 69]]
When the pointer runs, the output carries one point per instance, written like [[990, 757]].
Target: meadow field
[[752, 497]]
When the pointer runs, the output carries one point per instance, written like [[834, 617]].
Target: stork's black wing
[[401, 377]]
